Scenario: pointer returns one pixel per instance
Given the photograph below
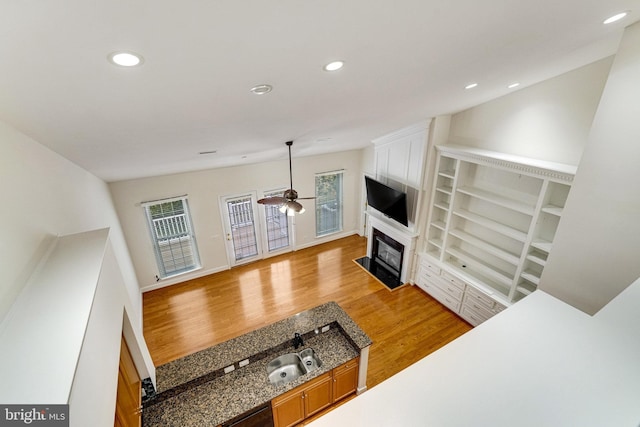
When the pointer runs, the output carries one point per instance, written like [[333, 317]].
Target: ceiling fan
[[287, 202]]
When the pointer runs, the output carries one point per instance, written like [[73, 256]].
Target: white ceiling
[[406, 60]]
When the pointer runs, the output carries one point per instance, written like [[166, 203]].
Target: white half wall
[[597, 245], [204, 189]]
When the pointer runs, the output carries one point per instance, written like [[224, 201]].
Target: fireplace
[[387, 253], [385, 262], [390, 249]]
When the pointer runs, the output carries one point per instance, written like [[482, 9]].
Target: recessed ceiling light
[[512, 85], [125, 59], [261, 89], [616, 17], [334, 66], [471, 85]]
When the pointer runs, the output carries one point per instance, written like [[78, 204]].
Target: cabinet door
[[288, 409], [128, 397], [317, 394], [345, 379]]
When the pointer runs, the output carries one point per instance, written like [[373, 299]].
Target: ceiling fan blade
[[276, 200], [294, 206], [306, 198]]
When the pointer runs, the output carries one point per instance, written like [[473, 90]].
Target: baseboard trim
[[181, 278]]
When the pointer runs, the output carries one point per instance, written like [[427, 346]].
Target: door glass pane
[[277, 225], [243, 230]]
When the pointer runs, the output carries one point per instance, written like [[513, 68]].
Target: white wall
[[204, 189], [548, 121], [44, 196], [597, 246]]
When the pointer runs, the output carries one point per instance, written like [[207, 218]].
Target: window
[[328, 203], [172, 235], [277, 224]]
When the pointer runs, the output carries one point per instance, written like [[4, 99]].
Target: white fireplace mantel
[[398, 233]]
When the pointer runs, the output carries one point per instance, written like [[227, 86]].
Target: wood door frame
[[226, 225]]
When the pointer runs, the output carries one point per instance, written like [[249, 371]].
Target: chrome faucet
[[297, 341]]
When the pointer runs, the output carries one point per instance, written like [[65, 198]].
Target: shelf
[[553, 210], [493, 217], [541, 244], [531, 277], [482, 268], [486, 246], [439, 225], [434, 254], [442, 205], [444, 189], [499, 200], [524, 291], [447, 173], [437, 243], [492, 225], [538, 260]]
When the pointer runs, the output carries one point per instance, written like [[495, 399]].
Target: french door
[[254, 231]]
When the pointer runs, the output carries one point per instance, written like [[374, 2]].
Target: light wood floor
[[405, 324]]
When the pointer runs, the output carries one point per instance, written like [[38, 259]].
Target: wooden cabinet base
[[315, 397]]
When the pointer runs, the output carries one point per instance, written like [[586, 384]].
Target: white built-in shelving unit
[[491, 225]]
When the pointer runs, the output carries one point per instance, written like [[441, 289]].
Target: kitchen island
[[196, 391]]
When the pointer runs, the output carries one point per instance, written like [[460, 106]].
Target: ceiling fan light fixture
[[287, 203]]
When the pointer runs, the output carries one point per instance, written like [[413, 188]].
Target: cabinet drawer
[[425, 275], [480, 298], [431, 266], [453, 281], [472, 316], [477, 308], [497, 308], [447, 300], [449, 288]]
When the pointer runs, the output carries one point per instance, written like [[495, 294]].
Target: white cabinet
[[492, 221], [400, 159]]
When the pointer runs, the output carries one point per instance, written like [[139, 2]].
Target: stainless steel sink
[[291, 366], [310, 359]]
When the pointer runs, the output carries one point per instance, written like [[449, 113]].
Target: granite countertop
[[194, 391]]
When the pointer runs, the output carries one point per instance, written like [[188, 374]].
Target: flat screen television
[[390, 202]]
